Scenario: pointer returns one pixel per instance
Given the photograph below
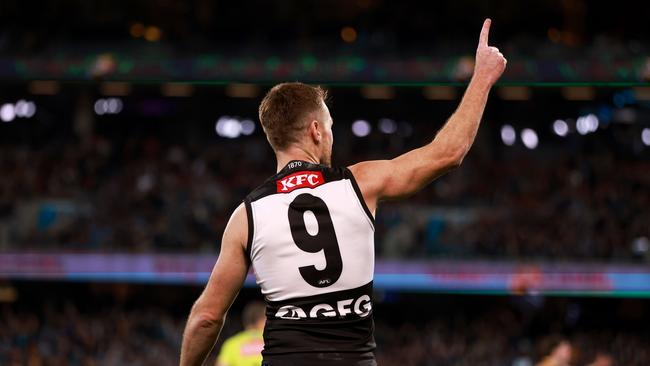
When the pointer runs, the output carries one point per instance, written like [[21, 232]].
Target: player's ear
[[314, 131]]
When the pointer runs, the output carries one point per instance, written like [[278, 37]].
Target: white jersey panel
[[276, 258]]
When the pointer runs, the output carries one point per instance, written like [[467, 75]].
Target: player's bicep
[[417, 168], [230, 271], [382, 179], [402, 176]]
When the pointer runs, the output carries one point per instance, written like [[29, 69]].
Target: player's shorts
[[321, 359]]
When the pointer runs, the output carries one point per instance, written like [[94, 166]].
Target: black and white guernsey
[[311, 245]]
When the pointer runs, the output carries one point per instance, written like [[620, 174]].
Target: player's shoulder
[[370, 167], [236, 231]]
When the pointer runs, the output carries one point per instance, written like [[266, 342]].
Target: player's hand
[[490, 63]]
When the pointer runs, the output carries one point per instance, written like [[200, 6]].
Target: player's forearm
[[409, 172], [201, 333], [458, 134]]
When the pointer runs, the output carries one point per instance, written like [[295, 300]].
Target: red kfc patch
[[300, 180]]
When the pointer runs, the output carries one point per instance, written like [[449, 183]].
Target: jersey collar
[[295, 165]]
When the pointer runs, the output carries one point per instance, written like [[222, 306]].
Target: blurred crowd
[[498, 339], [69, 333], [145, 195], [141, 196], [592, 206], [59, 337]]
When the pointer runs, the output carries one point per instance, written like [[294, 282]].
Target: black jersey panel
[[334, 322]]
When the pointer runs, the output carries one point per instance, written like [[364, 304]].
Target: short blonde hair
[[283, 110]]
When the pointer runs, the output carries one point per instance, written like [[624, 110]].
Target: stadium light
[[7, 112], [101, 107], [592, 122], [508, 135], [30, 110], [20, 108], [24, 109], [247, 127], [587, 124], [136, 30], [108, 106], [114, 105], [560, 127], [529, 138], [228, 127], [581, 126], [645, 136], [152, 33], [361, 128], [387, 126], [348, 34]]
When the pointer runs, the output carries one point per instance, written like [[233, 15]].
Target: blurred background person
[[602, 359], [560, 354], [245, 347]]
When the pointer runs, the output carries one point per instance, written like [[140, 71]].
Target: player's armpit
[[404, 175], [227, 277]]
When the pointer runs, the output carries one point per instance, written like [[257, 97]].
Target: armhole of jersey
[[249, 241], [357, 190]]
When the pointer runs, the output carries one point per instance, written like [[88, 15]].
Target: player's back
[[311, 243]]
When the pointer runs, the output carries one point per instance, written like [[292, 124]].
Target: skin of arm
[[408, 173], [209, 311]]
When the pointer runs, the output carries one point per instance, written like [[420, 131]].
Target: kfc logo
[[300, 180]]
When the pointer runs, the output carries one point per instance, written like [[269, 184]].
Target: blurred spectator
[[560, 353], [602, 359], [245, 348]]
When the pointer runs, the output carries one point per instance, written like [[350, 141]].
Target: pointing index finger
[[483, 39]]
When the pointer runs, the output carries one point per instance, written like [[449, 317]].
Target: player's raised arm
[[411, 171], [209, 311]]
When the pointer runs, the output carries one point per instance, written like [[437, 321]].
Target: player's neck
[[294, 153]]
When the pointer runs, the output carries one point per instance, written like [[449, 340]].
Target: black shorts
[[321, 359]]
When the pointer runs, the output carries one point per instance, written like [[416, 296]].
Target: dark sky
[[296, 21]]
